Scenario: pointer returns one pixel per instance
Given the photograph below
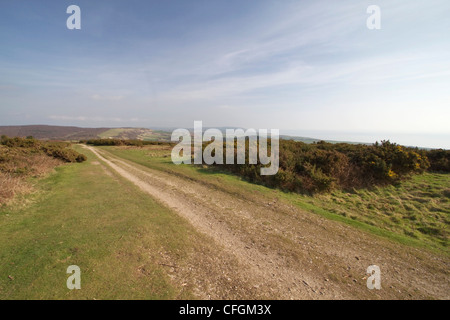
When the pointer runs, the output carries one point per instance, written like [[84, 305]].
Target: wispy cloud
[[252, 64]]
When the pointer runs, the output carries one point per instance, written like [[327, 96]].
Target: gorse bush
[[22, 158], [57, 150], [20, 142], [67, 155], [439, 160], [322, 167]]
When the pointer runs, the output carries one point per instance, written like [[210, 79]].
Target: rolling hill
[[47, 132]]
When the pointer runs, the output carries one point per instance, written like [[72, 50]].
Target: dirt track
[[264, 249]]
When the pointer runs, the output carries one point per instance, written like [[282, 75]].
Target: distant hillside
[[45, 132], [136, 133]]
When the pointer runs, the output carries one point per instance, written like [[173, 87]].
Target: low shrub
[[439, 160], [322, 167], [21, 158]]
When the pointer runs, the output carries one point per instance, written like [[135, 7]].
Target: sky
[[309, 68]]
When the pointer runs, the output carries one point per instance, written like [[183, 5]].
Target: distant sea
[[425, 140]]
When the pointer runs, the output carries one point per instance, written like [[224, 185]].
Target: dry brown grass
[[11, 186], [17, 167]]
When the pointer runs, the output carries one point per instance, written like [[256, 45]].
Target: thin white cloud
[[381, 70]]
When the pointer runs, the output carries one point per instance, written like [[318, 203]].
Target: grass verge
[[86, 216]]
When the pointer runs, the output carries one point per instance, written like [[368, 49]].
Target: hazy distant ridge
[[48, 132], [51, 132]]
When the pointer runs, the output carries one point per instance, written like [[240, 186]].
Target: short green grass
[[81, 216], [414, 213]]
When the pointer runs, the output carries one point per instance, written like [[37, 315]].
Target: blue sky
[[305, 67]]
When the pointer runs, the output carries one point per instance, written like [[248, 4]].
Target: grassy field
[[418, 208], [76, 216], [157, 135], [415, 213], [135, 133]]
